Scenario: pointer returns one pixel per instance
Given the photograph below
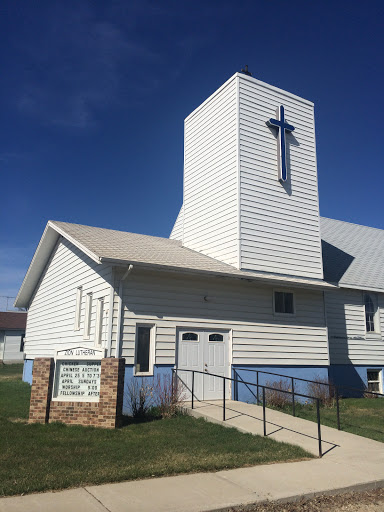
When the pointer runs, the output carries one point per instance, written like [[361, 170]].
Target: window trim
[[99, 322], [285, 315], [214, 334], [22, 343], [79, 298], [191, 332], [152, 339], [87, 317], [376, 316], [380, 379]]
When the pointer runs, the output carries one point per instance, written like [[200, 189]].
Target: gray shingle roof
[[121, 246], [353, 255]]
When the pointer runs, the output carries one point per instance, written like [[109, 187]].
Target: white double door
[[203, 351]]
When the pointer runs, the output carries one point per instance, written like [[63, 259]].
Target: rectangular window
[[374, 380], [99, 322], [22, 343], [87, 318], [79, 294], [284, 303], [372, 321], [143, 359]]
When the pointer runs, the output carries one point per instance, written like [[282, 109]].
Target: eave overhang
[[48, 241]]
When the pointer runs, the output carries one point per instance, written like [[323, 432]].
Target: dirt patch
[[367, 501]]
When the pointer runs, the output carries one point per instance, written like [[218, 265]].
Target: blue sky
[[94, 94]]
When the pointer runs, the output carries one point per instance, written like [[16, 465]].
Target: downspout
[[120, 310], [110, 317]]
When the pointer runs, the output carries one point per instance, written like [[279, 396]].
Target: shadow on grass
[[153, 414], [130, 420]]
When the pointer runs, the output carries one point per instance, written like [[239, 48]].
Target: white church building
[[251, 276]]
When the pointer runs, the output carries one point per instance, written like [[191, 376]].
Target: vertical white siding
[[51, 316], [348, 340], [279, 224], [210, 176], [259, 337], [177, 231]]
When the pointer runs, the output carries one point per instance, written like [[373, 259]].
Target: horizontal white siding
[[211, 179], [279, 224], [51, 316], [348, 340], [11, 347], [177, 231], [170, 301]]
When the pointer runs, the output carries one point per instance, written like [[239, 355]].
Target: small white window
[[283, 303], [79, 295], [99, 322], [190, 336], [87, 318], [371, 313], [216, 337], [144, 350], [374, 381]]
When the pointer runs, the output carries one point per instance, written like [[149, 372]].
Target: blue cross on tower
[[281, 148]]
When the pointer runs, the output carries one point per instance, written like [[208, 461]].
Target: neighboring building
[[12, 332], [251, 276]]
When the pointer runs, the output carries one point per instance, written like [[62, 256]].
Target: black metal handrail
[[175, 370], [365, 391], [333, 386]]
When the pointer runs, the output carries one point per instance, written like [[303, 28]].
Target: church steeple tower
[[250, 180]]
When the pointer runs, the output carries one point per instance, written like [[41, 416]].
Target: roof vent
[[245, 71]]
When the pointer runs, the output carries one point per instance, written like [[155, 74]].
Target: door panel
[[208, 353], [216, 356], [190, 356]]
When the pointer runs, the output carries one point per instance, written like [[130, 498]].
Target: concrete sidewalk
[[280, 426], [350, 462]]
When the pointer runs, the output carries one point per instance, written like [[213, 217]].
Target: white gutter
[[120, 310], [276, 280], [361, 287]]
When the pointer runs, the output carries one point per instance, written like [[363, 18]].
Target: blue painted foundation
[[248, 393], [27, 371], [347, 375], [158, 371], [350, 375]]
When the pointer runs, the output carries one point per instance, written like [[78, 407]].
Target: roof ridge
[[59, 222]]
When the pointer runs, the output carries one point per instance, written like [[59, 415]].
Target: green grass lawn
[[361, 416], [41, 457], [10, 371]]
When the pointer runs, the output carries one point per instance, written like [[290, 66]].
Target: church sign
[[77, 374], [282, 127], [79, 386]]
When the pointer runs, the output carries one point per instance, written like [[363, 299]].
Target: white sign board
[[77, 374]]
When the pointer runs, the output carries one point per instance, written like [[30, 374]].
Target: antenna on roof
[[245, 71]]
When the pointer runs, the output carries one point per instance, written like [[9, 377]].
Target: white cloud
[[75, 67], [83, 57]]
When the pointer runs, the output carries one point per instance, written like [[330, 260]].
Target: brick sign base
[[107, 412]]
